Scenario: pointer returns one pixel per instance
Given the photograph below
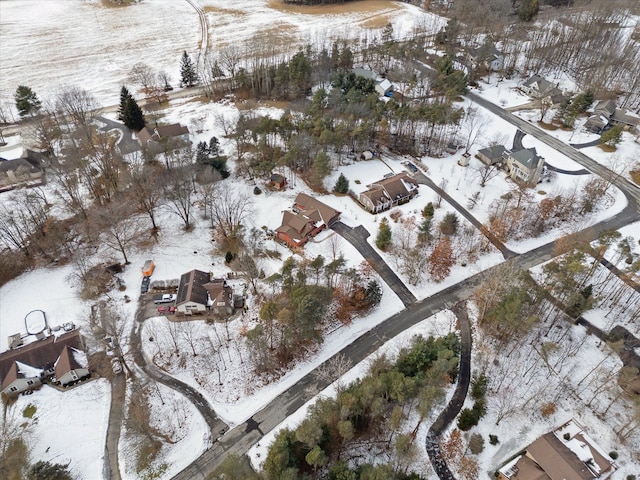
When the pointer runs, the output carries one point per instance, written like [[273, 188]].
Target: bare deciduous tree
[[230, 209]]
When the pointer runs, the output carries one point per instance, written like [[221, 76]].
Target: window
[[13, 389], [29, 382]]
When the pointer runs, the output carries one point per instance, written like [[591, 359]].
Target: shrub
[[228, 257], [449, 224], [467, 420], [383, 240], [493, 439], [548, 409], [567, 436], [479, 387], [476, 443], [427, 211], [631, 477], [613, 454], [256, 190]]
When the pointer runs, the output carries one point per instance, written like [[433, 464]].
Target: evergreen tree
[[48, 471], [321, 168], [383, 240], [124, 96], [528, 10], [132, 115], [424, 231], [188, 74], [373, 292], [27, 101], [428, 210], [342, 184], [613, 136]]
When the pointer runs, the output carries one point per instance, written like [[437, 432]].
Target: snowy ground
[[68, 427], [100, 61]]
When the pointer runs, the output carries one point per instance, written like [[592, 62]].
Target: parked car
[[116, 366], [166, 298], [167, 309], [146, 281], [412, 167]]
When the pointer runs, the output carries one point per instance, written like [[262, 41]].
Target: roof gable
[[326, 214], [191, 287], [527, 157]]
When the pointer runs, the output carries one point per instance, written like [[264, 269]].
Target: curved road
[[204, 30]]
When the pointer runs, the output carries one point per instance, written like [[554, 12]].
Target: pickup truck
[[166, 298]]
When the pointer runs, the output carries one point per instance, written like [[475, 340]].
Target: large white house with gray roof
[[525, 165]]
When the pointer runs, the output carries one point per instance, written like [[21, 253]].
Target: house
[[386, 193], [567, 453], [316, 210], [71, 366], [198, 293], [525, 165], [536, 86], [309, 217], [628, 119], [152, 138], [602, 113], [25, 367], [27, 171], [383, 87], [489, 58], [277, 181], [491, 155]]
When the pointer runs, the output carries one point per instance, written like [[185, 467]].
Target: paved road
[[116, 413], [625, 185], [358, 238], [421, 178]]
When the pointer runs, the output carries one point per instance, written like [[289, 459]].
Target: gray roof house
[[602, 113], [536, 86], [20, 172], [525, 166], [491, 155], [491, 59], [624, 117]]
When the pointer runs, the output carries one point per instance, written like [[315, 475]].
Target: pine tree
[[132, 115], [124, 96], [27, 101], [383, 240], [613, 136], [441, 260], [188, 75], [528, 10], [342, 184], [449, 224]]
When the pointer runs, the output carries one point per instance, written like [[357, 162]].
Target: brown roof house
[[198, 293], [277, 181], [60, 357], [309, 217], [567, 453], [393, 190], [153, 138], [525, 165]]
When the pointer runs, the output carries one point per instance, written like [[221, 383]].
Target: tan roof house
[[525, 165], [393, 190], [567, 453], [153, 137]]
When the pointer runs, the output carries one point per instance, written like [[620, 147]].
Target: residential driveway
[[593, 143], [116, 414], [126, 144], [457, 400], [422, 179], [196, 398], [517, 140], [358, 238], [517, 145]]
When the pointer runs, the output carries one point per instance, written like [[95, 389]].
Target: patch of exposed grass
[[607, 148], [547, 126], [541, 192], [29, 411], [370, 6], [635, 176]]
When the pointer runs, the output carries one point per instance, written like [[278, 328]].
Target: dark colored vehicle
[[412, 167], [167, 309], [144, 288]]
